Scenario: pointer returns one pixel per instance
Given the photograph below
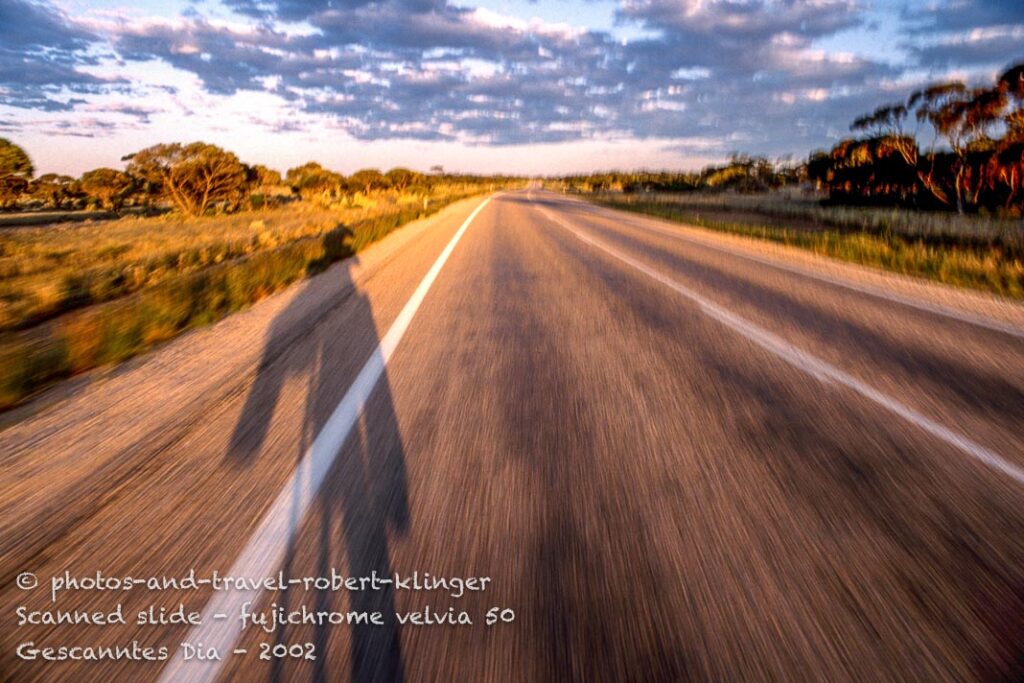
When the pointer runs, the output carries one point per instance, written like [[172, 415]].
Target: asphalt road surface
[[672, 455]]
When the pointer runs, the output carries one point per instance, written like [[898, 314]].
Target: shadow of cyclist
[[320, 341]]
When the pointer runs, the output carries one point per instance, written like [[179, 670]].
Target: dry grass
[[809, 211], [22, 218], [50, 270], [79, 296], [980, 253]]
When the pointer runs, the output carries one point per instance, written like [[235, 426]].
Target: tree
[[401, 178], [1009, 153], [15, 172], [14, 160], [53, 189], [367, 180], [944, 106], [981, 166], [260, 182], [262, 178], [1012, 84], [819, 169], [311, 180], [110, 187], [193, 176], [887, 122], [743, 173]]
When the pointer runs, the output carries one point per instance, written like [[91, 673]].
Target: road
[[674, 455]]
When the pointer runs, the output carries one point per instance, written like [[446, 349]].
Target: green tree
[[262, 177], [311, 180], [193, 176], [54, 189], [108, 186], [260, 182], [367, 180], [15, 172], [402, 178]]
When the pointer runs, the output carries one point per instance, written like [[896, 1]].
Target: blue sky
[[518, 86]]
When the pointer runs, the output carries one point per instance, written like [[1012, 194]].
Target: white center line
[[814, 366], [266, 547]]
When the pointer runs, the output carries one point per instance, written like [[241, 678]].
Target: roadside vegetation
[[201, 235], [965, 251], [951, 212]]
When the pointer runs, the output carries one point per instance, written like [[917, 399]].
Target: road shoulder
[[1000, 310]]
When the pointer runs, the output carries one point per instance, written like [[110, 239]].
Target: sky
[[545, 87]]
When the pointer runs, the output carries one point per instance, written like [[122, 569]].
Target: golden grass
[[47, 271], [986, 255], [79, 296]]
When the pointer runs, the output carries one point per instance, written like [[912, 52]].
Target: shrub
[[197, 293]]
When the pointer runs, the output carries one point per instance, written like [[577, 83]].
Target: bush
[[982, 257], [116, 330]]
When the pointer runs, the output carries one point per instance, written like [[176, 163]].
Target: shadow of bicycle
[[363, 497]]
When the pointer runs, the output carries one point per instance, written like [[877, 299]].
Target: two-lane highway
[[676, 456]]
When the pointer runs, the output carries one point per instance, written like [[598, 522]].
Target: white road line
[[266, 547], [807, 362], [927, 306]]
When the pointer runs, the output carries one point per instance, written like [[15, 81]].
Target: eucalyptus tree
[[193, 176], [15, 172]]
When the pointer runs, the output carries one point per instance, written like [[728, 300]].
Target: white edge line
[[812, 365], [266, 547], [938, 309]]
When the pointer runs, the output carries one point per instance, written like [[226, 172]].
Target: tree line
[[974, 161], [196, 178], [741, 173]]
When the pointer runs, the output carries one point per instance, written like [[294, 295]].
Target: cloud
[[744, 74], [85, 127], [960, 15], [761, 83], [41, 56], [140, 114], [726, 21], [968, 33], [976, 47], [429, 70], [448, 73], [299, 10], [31, 27]]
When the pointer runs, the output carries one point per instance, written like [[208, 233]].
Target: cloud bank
[[760, 75]]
